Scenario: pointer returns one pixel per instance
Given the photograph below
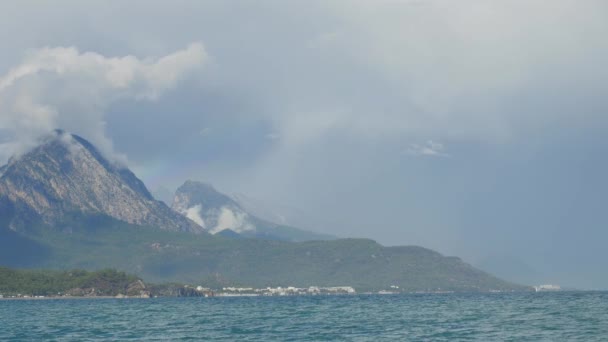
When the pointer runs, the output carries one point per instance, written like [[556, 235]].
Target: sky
[[475, 128]]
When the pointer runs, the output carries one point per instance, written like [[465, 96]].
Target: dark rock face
[[135, 289], [67, 175], [138, 289], [176, 290]]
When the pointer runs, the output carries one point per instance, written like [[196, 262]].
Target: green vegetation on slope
[[51, 283], [213, 261], [271, 231]]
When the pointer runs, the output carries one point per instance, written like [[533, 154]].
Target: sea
[[558, 316]]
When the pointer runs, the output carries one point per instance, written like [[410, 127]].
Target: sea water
[[560, 316]]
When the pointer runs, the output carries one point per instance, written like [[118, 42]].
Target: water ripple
[[568, 316]]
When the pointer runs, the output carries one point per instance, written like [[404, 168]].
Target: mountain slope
[[67, 176], [215, 261], [217, 212], [210, 208]]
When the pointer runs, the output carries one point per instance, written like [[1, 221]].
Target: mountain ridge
[[216, 211], [68, 174], [215, 261]]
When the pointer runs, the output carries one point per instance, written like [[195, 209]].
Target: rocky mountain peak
[[210, 208], [66, 174], [222, 214], [201, 193]]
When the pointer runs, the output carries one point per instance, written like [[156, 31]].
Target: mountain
[[66, 177], [209, 208], [215, 211], [215, 261], [64, 206]]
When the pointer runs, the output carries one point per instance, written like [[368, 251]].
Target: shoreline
[[285, 296], [72, 297]]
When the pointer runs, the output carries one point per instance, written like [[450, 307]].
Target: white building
[[548, 287]]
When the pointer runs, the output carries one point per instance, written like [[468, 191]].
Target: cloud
[[466, 70], [194, 213], [216, 220], [64, 88], [430, 149], [235, 220]]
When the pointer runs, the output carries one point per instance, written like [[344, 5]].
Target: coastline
[[72, 298]]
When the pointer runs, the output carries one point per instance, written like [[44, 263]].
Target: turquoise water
[[566, 316]]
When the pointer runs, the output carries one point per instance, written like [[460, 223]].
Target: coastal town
[[277, 291], [199, 291], [176, 290]]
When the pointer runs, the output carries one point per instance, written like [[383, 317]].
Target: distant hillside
[[162, 256]]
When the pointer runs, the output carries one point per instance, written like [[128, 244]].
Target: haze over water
[[562, 316]]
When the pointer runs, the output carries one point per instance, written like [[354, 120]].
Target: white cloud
[[235, 220], [430, 149], [194, 213], [456, 70], [64, 88]]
